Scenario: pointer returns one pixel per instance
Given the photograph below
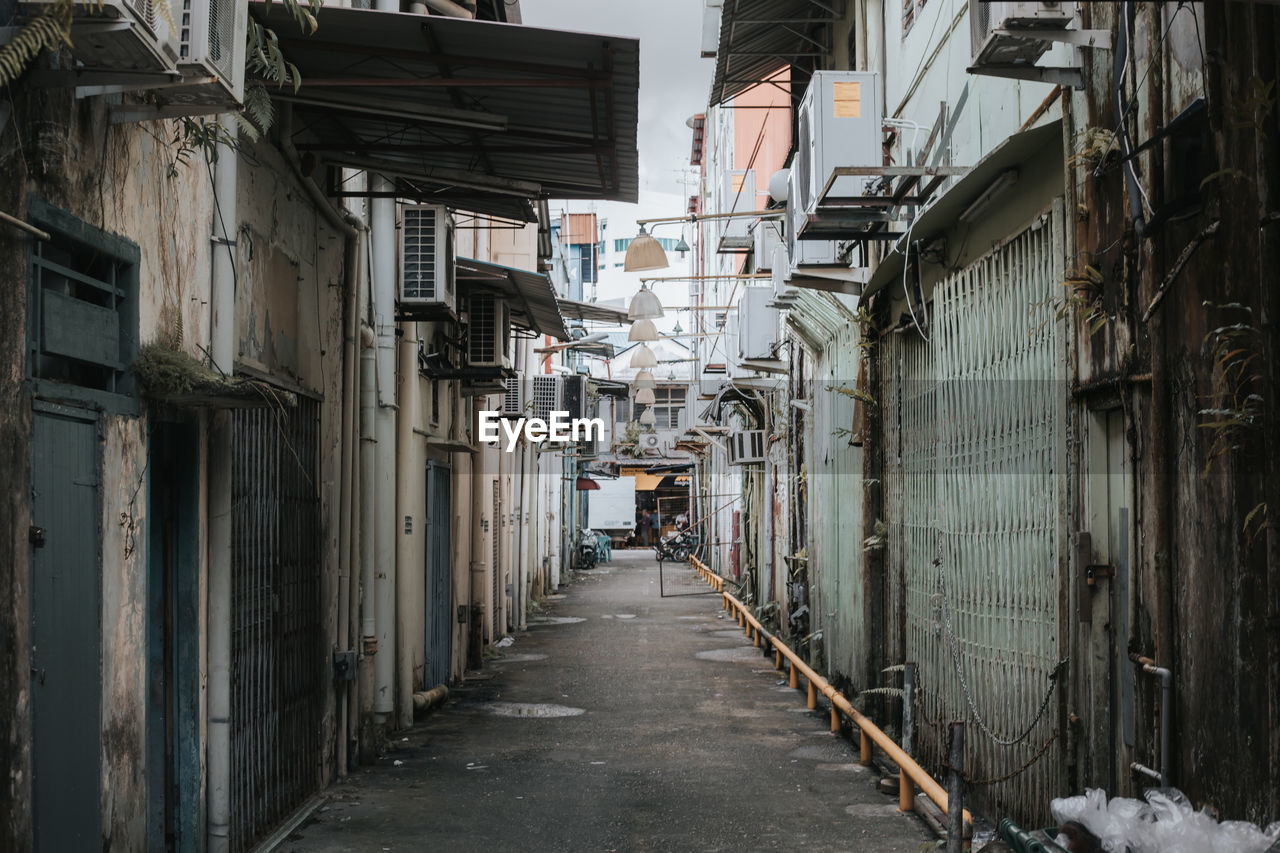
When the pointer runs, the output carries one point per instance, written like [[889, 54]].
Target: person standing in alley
[[644, 528]]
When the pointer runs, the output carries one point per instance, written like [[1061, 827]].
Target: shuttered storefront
[[975, 446], [278, 661]]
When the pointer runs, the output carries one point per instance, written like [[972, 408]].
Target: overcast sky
[[674, 79], [674, 84]]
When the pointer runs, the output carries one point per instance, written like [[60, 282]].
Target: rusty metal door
[[66, 630], [278, 658], [437, 606]]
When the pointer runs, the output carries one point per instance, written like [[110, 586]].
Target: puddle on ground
[[843, 768], [518, 658], [737, 654], [555, 620], [729, 635], [625, 615], [555, 597], [530, 709]]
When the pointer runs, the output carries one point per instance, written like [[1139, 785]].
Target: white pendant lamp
[[647, 418], [644, 379], [644, 306], [643, 330], [642, 356], [645, 397], [644, 253]]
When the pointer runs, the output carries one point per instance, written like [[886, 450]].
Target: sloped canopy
[[593, 311], [530, 295], [478, 115], [760, 37]]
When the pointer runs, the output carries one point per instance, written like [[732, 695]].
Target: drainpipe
[[1166, 713], [223, 350], [407, 474], [368, 523], [479, 491]]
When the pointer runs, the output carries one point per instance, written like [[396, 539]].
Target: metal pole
[[908, 707], [955, 789]]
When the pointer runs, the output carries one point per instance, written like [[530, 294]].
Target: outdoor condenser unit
[[768, 236], [573, 396], [838, 124], [133, 37], [545, 397], [513, 398], [488, 332], [985, 18], [746, 446], [211, 36], [426, 258], [757, 324], [738, 195]]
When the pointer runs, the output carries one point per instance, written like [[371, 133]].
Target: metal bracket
[[1100, 39], [1098, 570], [35, 535], [1072, 77]]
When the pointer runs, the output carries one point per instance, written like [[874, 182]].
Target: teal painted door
[[439, 600], [66, 633]]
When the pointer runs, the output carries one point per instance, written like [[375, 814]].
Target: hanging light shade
[[642, 356], [682, 247], [644, 253], [647, 418], [644, 379], [643, 330], [644, 306], [644, 397]]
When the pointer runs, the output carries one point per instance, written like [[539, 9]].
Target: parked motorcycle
[[677, 545], [585, 550]]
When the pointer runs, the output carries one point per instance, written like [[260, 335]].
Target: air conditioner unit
[[650, 441], [426, 258], [768, 236], [838, 124], [488, 332], [986, 16], [211, 36], [119, 42], [513, 398], [780, 276], [738, 195], [573, 396], [746, 446], [545, 397], [757, 324]]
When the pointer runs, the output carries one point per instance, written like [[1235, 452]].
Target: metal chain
[[959, 667], [1006, 777]]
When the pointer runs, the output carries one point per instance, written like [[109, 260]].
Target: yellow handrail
[[910, 774]]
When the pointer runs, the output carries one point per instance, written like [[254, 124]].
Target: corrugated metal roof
[[816, 318], [593, 311], [760, 37], [529, 294], [530, 113]]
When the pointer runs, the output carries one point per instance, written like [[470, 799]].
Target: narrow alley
[[621, 720]]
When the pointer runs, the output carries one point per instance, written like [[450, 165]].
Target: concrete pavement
[[620, 721]]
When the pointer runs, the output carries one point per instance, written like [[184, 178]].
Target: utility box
[[757, 324]]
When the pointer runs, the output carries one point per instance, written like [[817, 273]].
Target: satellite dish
[[778, 184]]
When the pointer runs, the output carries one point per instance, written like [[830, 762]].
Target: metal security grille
[[545, 396], [975, 444], [277, 650]]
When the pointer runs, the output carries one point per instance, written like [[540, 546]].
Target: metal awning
[[478, 115], [760, 37], [1017, 149], [593, 311], [530, 295]]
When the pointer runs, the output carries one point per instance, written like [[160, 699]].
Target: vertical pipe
[[382, 236], [955, 789], [479, 490], [407, 475], [368, 521], [222, 338]]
